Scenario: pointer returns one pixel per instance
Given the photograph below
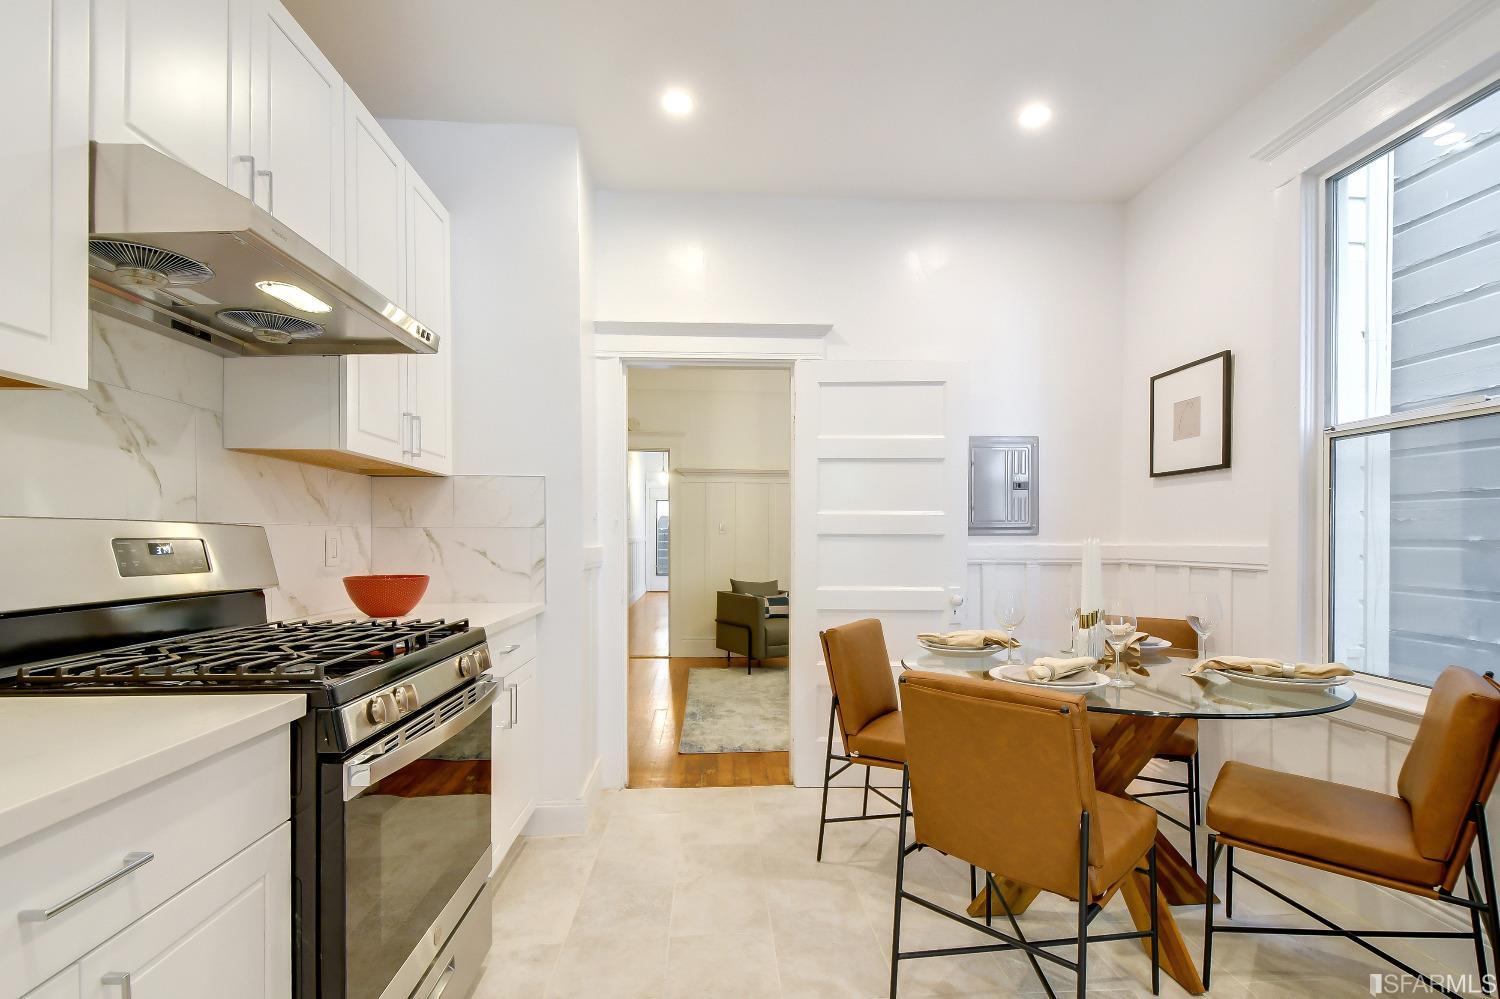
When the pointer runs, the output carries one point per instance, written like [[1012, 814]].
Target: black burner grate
[[283, 652]]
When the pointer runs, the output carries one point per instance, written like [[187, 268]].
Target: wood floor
[[657, 694]]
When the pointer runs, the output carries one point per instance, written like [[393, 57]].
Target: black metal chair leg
[[1155, 937], [973, 881], [1083, 906], [1194, 819], [1229, 883], [1208, 910], [1475, 923], [1487, 870], [827, 776], [900, 884], [864, 805]]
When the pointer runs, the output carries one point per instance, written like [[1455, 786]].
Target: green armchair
[[741, 626]]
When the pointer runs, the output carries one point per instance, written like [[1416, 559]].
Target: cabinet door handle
[[406, 434], [133, 862], [270, 176], [417, 435], [120, 978], [509, 649], [510, 715], [249, 158], [515, 704]]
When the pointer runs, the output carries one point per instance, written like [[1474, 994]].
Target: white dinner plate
[[1084, 680], [1281, 682], [943, 650], [1152, 642]]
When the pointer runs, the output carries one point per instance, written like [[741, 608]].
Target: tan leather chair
[[1417, 841], [1002, 777], [866, 710], [1181, 746]]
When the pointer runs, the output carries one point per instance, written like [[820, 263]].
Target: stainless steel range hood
[[175, 252]]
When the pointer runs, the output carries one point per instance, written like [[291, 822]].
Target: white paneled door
[[880, 516]]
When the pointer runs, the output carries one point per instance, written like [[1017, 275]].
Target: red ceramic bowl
[[386, 596]]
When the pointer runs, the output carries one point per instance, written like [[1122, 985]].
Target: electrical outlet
[[331, 554]]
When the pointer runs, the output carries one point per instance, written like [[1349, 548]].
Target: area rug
[[729, 711]]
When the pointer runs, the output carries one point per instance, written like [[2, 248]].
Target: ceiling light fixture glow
[[1034, 115], [677, 102], [298, 298], [1437, 130], [1449, 138]]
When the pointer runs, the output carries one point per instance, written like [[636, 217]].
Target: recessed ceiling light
[[1034, 115], [298, 298], [677, 102], [1437, 130], [1449, 138]]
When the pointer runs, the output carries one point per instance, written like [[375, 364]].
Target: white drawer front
[[512, 648], [189, 822]]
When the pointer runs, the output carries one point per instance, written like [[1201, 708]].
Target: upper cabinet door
[[176, 76], [428, 300], [44, 65], [297, 120], [375, 208]]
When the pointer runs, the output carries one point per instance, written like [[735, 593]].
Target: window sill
[[1390, 697]]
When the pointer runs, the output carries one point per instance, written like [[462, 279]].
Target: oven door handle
[[363, 771]]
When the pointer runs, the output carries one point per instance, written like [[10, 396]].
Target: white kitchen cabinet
[[63, 986], [517, 743], [428, 299], [176, 76], [228, 935], [44, 56], [375, 203], [376, 414], [297, 129]]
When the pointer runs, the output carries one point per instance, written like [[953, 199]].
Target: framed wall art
[[1190, 416]]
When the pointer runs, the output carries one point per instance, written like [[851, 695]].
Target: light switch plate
[[331, 554]]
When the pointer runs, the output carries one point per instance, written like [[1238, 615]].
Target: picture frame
[[1191, 416]]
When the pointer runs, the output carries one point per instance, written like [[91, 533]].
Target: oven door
[[415, 841]]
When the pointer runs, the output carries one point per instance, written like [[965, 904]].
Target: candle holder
[[1088, 635]]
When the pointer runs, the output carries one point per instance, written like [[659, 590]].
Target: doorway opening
[[708, 539]]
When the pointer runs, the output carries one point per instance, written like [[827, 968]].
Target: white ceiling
[[868, 98]]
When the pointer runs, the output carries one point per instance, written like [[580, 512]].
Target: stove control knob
[[376, 711], [466, 665], [401, 702]]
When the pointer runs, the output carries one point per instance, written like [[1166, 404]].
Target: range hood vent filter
[[148, 266], [272, 327]]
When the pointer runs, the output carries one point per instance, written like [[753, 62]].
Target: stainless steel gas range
[[391, 768]]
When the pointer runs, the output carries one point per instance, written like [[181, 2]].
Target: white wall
[[519, 213], [728, 436], [1028, 296], [636, 522]]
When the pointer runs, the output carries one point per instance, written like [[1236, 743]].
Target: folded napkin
[[972, 639], [1047, 668], [1132, 648], [1273, 667]]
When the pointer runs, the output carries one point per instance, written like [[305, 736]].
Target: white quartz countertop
[[64, 755], [493, 617]]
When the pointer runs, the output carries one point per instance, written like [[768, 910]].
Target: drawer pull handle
[[443, 981], [133, 863], [509, 649], [120, 978]]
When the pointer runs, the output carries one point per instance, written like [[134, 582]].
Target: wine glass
[[1010, 611], [1072, 625], [1204, 612], [1119, 626]]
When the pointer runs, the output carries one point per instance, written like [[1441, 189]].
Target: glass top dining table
[[1163, 687]]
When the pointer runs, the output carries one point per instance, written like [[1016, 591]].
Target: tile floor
[[715, 892]]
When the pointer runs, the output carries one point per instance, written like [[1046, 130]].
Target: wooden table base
[[1118, 759]]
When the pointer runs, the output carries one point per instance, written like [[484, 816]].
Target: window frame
[[1324, 393]]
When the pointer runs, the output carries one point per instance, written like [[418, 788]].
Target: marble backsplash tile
[[481, 538], [145, 442]]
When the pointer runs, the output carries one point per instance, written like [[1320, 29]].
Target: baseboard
[[566, 818]]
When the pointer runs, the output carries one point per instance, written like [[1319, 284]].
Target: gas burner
[[286, 653]]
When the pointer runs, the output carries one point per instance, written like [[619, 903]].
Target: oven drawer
[[513, 647], [70, 887], [457, 968]]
